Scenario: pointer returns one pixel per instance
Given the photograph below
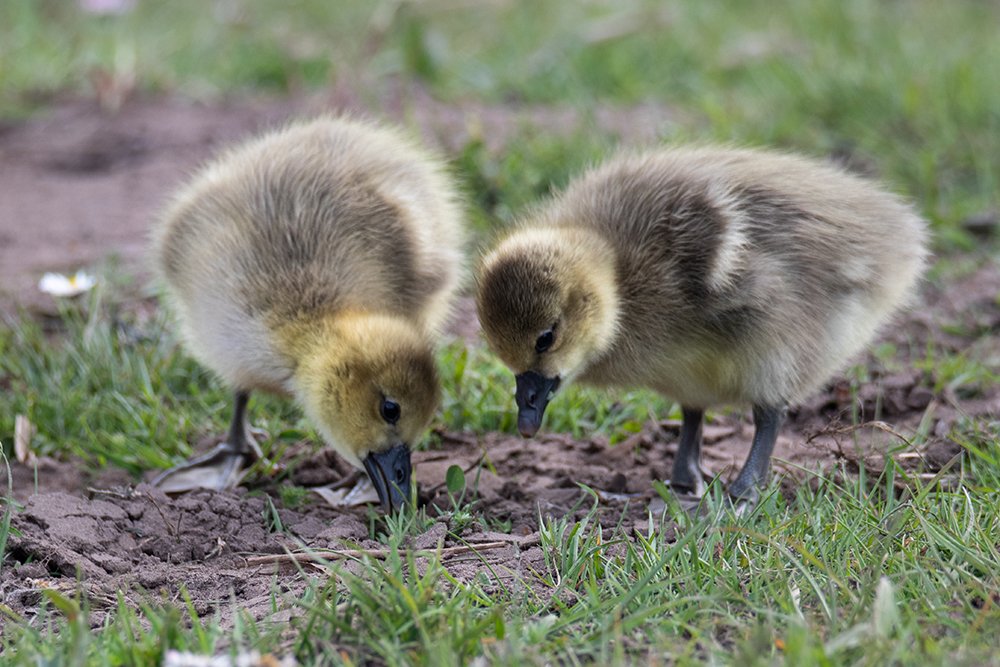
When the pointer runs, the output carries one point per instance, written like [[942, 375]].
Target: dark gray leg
[[767, 422], [225, 466], [686, 477], [240, 440]]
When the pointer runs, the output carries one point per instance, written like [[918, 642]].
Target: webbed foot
[[220, 469], [225, 466], [355, 489], [692, 503]]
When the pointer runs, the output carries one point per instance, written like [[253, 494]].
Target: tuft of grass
[[270, 516], [61, 633], [406, 521], [293, 496], [8, 513], [964, 374]]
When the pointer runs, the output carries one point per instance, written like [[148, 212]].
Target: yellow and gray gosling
[[317, 261], [714, 276]]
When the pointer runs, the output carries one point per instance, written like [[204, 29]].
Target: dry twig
[[319, 556], [882, 426]]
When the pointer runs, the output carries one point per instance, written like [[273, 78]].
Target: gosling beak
[[532, 395], [390, 472]]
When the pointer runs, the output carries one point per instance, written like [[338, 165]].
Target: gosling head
[[547, 302], [371, 388]]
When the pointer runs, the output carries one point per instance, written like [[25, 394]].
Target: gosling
[[318, 261], [714, 276]]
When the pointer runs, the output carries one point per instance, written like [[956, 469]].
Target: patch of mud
[[145, 545], [79, 185], [142, 542]]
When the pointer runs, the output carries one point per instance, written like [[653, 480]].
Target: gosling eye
[[390, 411], [545, 341]]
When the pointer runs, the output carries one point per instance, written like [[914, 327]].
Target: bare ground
[[77, 185]]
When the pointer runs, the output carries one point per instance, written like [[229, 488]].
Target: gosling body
[[714, 276], [319, 261]]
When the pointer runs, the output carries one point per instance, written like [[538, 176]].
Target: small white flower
[[175, 658], [57, 284], [107, 6]]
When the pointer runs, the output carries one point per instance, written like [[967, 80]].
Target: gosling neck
[[588, 264], [307, 339]]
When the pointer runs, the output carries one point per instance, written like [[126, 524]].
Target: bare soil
[[76, 185]]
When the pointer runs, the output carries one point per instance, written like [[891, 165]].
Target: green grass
[[849, 572], [8, 511], [132, 403]]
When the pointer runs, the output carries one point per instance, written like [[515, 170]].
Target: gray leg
[[225, 466], [239, 439], [767, 422], [686, 477]]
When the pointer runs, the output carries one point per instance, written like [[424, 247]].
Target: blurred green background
[[909, 90]]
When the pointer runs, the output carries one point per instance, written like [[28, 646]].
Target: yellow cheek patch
[[349, 363]]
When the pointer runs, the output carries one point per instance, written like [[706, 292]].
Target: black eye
[[390, 411], [400, 476], [545, 341]]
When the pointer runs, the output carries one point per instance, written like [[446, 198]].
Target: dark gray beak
[[532, 395], [390, 472]]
